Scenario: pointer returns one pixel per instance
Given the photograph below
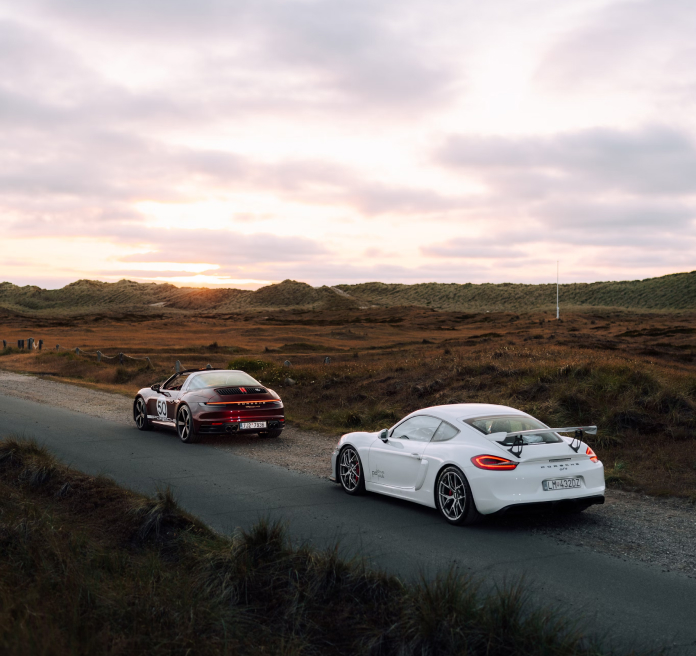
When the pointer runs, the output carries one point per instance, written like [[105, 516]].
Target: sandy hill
[[673, 292]]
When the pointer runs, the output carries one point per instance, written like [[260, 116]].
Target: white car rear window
[[510, 424]]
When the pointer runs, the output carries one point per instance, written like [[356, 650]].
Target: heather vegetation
[[89, 567], [646, 413], [634, 375]]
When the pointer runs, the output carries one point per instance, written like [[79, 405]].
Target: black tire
[[350, 471], [184, 425], [271, 433], [454, 499], [140, 415]]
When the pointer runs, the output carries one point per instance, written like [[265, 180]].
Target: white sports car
[[469, 460]]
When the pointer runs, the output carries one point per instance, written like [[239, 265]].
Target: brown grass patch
[[632, 374], [89, 567]]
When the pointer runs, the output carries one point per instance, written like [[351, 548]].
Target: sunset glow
[[235, 144]]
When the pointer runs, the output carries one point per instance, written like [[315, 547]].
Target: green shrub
[[250, 365]]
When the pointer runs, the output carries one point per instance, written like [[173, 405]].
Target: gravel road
[[628, 526]]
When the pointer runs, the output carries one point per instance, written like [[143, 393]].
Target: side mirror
[[384, 435], [155, 387]]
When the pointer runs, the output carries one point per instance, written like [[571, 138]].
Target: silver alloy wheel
[[140, 413], [452, 495], [349, 469], [184, 424]]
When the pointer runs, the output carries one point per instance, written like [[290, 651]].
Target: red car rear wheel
[[184, 425]]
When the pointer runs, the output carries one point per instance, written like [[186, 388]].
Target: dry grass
[[646, 413], [633, 375], [89, 567]]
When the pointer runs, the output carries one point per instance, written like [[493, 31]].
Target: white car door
[[396, 461]]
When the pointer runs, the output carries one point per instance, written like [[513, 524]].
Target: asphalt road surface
[[632, 602]]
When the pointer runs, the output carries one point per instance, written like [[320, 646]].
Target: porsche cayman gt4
[[469, 460], [207, 402]]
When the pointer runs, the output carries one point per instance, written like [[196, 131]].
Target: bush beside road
[[90, 567]]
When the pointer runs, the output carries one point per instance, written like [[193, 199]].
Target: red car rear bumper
[[226, 421]]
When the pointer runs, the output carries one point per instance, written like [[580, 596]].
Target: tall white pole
[[558, 309]]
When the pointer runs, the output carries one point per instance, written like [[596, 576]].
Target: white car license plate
[[253, 424], [562, 484]]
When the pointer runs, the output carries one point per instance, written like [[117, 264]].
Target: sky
[[242, 142]]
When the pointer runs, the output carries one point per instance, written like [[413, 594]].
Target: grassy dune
[[89, 567], [673, 292]]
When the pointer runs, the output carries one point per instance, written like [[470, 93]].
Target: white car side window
[[420, 428], [445, 432]]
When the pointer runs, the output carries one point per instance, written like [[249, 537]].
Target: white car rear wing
[[518, 444]]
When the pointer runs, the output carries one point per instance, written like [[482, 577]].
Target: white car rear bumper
[[496, 491]]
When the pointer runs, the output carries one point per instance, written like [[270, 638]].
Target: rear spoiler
[[518, 444]]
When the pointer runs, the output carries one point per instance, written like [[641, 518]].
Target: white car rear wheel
[[454, 499]]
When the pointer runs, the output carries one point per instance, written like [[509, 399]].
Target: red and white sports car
[[210, 401]]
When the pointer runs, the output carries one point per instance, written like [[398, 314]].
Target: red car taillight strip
[[238, 402], [592, 454], [493, 463]]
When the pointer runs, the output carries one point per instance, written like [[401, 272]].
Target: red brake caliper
[[357, 473]]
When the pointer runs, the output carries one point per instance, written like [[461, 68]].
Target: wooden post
[[4, 344], [98, 356], [208, 366], [57, 347], [120, 358], [327, 360], [286, 363], [77, 350], [177, 365], [30, 343], [20, 344], [41, 345], [149, 364]]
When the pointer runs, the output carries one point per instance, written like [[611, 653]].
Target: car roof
[[468, 410], [197, 371]]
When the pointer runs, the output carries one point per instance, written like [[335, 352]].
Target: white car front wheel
[[454, 499], [350, 472]]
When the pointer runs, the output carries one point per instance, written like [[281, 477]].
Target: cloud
[[481, 248], [624, 46], [312, 117], [224, 248], [357, 52], [652, 160]]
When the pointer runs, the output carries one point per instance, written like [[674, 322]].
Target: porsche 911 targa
[[469, 460], [211, 401]]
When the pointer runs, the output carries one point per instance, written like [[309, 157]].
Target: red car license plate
[[253, 424]]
